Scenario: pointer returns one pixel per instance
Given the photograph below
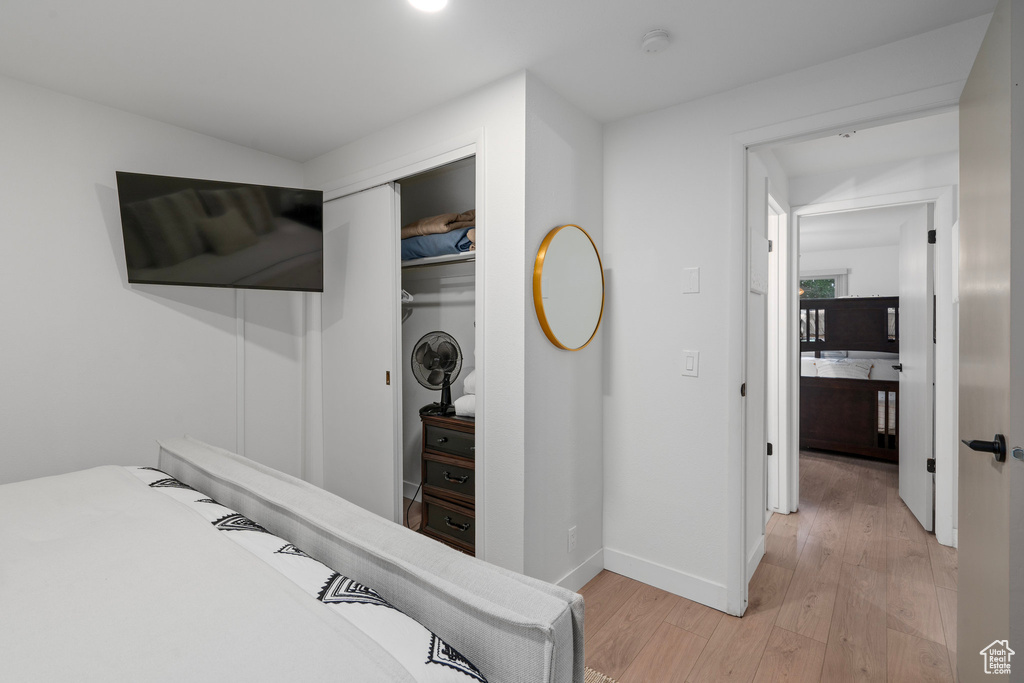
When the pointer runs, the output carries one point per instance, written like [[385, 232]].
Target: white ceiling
[[302, 77], [854, 229], [913, 139]]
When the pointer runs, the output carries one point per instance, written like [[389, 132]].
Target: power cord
[[409, 506]]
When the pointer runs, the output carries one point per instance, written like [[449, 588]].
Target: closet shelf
[[439, 260]]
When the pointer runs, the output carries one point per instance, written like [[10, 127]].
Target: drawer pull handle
[[472, 448], [443, 439], [456, 525], [455, 480]]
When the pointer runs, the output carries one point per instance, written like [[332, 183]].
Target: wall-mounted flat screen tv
[[208, 233]]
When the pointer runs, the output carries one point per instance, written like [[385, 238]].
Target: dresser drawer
[[461, 480], [449, 522], [449, 441]]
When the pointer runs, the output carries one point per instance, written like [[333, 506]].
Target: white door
[[990, 605], [359, 350], [756, 444], [916, 356]]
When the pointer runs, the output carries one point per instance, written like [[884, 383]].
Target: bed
[[211, 567], [849, 390]]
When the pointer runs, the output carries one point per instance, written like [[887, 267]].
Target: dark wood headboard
[[854, 324]]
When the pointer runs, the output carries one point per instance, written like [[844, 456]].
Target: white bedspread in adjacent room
[[104, 579]]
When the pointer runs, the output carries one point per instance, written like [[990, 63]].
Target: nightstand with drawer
[[448, 456]]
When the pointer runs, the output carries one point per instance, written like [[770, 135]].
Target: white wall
[[873, 271], [94, 370], [444, 299], [674, 197], [564, 449], [494, 118], [538, 430]]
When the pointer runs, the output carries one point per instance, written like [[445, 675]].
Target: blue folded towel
[[421, 246]]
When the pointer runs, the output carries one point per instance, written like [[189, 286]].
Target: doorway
[[914, 163]]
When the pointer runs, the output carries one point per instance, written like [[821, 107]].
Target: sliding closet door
[[359, 342]]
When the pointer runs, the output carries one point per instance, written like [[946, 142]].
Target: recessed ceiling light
[[429, 5]]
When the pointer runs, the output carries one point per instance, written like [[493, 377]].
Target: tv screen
[[184, 231]]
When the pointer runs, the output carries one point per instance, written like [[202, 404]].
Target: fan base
[[437, 409]]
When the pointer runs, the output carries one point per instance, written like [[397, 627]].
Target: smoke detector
[[655, 41]]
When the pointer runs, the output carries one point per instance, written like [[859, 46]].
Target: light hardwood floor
[[411, 513], [851, 588]]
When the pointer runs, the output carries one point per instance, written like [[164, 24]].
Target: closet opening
[[439, 246]]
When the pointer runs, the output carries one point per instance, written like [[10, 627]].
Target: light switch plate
[[691, 280], [691, 363]]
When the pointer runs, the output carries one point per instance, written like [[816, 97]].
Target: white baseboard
[[578, 577], [956, 538], [754, 558], [672, 580], [409, 489]]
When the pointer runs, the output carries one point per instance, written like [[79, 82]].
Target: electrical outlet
[[572, 539]]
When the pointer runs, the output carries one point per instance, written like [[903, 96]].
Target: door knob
[[997, 447], [898, 368]]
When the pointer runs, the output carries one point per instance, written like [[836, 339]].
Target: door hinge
[[931, 237], [930, 464], [743, 389], [770, 246], [387, 377], [769, 449]]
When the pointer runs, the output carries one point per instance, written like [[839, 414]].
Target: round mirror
[[568, 287]]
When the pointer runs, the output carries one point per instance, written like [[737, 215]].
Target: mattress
[[881, 368], [126, 574]]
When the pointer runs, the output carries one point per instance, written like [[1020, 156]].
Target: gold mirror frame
[[538, 298]]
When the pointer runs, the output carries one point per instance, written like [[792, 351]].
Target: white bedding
[[102, 578], [881, 368]]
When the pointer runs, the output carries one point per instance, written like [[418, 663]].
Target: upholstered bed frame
[[512, 627]]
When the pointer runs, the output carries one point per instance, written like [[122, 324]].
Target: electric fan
[[436, 361]]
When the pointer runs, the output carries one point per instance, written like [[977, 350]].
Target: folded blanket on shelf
[[465, 406], [437, 225], [472, 237], [469, 384], [453, 242]]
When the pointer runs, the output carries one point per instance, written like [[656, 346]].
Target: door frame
[[945, 452], [888, 110], [461, 147]]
